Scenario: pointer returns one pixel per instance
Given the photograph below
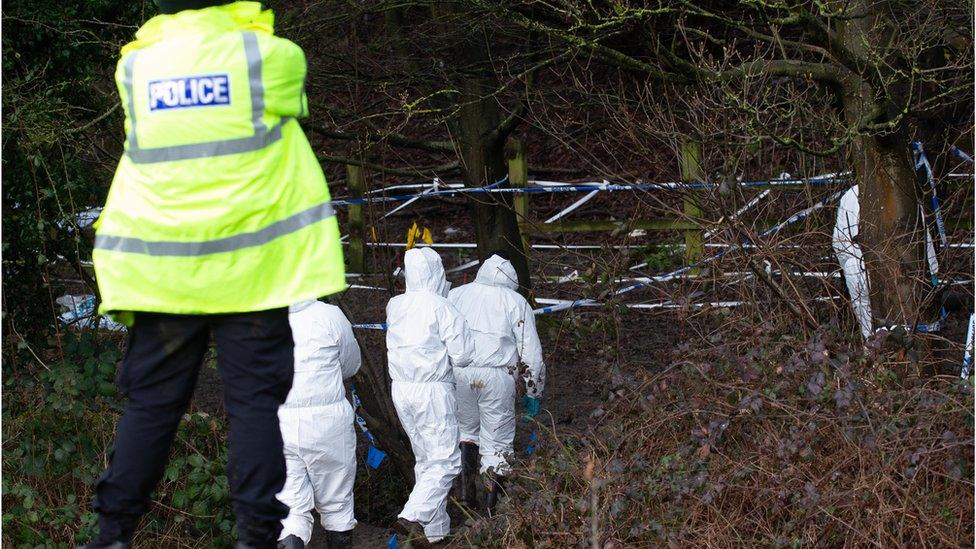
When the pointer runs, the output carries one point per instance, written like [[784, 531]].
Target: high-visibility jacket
[[218, 204]]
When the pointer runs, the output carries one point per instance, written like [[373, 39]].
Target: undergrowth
[[759, 438], [58, 428]]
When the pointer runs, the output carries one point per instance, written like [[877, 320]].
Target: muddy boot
[[411, 533], [291, 542], [494, 489], [338, 540], [469, 474]]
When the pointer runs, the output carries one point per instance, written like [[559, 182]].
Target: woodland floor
[[585, 358], [587, 350]]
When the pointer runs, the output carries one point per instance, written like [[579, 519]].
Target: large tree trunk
[[482, 148], [484, 163], [892, 234]]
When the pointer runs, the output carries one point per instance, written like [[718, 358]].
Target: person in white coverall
[[851, 259], [317, 427], [502, 328], [426, 340]]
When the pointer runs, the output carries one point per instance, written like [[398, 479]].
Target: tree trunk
[[482, 149], [373, 388], [483, 163], [891, 233]]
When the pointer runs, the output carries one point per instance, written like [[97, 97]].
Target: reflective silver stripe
[[277, 229], [253, 55], [127, 65], [210, 148], [262, 135], [301, 97]]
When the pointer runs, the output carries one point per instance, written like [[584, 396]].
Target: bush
[[776, 443], [58, 427]]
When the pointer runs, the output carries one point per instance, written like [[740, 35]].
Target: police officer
[[502, 328], [426, 342], [317, 427], [218, 218], [851, 258]]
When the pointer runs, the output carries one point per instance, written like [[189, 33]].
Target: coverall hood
[[301, 305], [497, 271], [424, 271]]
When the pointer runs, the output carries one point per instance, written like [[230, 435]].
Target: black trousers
[[158, 374]]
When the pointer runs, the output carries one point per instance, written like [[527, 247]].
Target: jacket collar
[[238, 16]]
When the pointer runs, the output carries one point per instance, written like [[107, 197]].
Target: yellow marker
[[414, 232]]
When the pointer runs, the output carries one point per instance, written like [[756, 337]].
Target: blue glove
[[531, 406]]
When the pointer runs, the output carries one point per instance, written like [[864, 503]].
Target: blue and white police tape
[[374, 456], [425, 194], [370, 326], [922, 161], [933, 327], [960, 155], [799, 216], [967, 357], [495, 188], [795, 218]]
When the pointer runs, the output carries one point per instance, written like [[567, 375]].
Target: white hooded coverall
[[502, 327], [851, 258], [317, 422], [426, 340]]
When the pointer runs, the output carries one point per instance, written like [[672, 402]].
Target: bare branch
[[416, 172], [391, 139]]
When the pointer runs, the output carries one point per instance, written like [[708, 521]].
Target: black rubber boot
[[291, 542], [494, 489], [258, 534], [115, 531], [469, 474], [338, 540], [410, 532]]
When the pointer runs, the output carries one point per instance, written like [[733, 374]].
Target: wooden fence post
[[356, 251], [518, 176], [691, 172]]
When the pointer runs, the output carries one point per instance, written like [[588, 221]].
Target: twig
[[98, 119]]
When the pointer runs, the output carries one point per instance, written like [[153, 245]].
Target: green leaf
[[106, 388]]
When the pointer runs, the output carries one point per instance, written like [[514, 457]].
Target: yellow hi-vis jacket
[[218, 204]]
